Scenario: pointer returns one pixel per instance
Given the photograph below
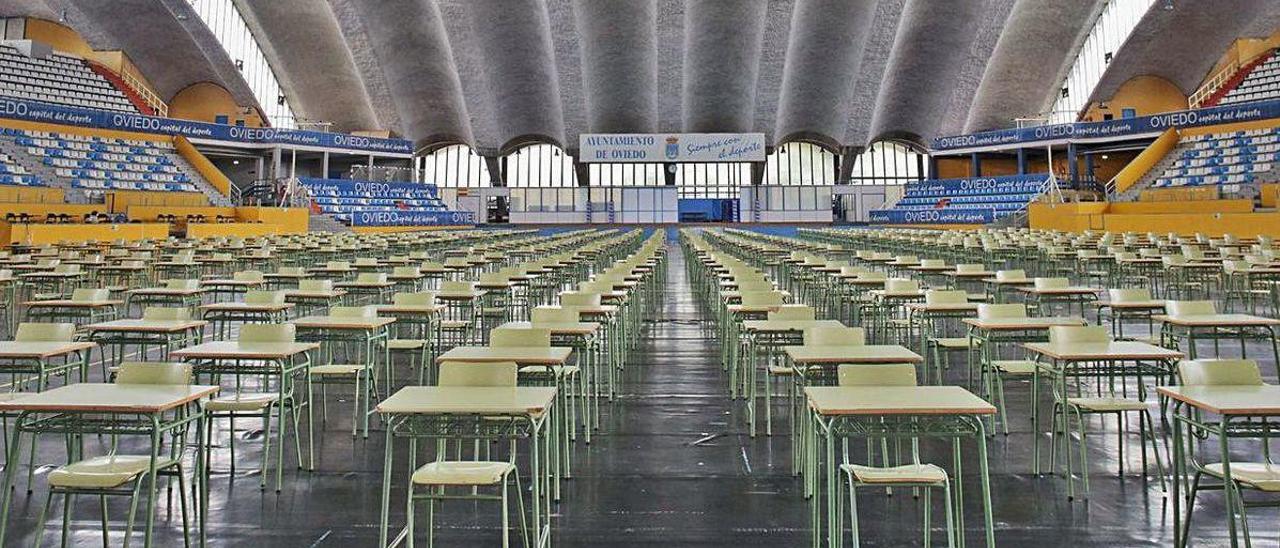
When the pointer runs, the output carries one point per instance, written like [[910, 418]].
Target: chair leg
[[952, 531], [182, 503], [66, 520], [408, 517], [133, 511], [853, 511], [44, 514], [524, 527], [928, 509], [506, 520]]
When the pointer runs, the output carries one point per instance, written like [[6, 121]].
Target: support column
[[293, 164], [324, 165], [1088, 170], [582, 172], [1022, 161], [933, 167], [846, 161], [497, 171], [975, 165], [1073, 170], [669, 174], [757, 173], [277, 164]]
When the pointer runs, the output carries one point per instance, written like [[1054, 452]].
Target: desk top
[[469, 400], [529, 355], [235, 350], [335, 322], [1011, 324], [313, 293], [408, 310], [245, 307], [40, 349], [68, 303], [110, 398], [1060, 290], [896, 400], [148, 326], [557, 328], [787, 325], [1108, 351], [943, 307], [1228, 400], [167, 291], [1217, 320], [867, 353], [1131, 305]]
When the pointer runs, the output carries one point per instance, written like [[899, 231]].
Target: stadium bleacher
[[342, 198], [1004, 195], [98, 163], [1261, 84], [1238, 157], [12, 173], [59, 79]]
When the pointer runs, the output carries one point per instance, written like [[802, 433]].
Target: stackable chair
[[355, 371], [414, 338], [939, 346], [430, 481], [914, 475]]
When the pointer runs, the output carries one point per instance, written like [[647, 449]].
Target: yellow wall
[[88, 132], [121, 200], [206, 168], [1184, 194], [30, 194], [242, 230], [40, 210], [1243, 51], [288, 220], [1202, 206], [1073, 217], [149, 213], [205, 101], [1209, 217], [49, 234], [1146, 94]]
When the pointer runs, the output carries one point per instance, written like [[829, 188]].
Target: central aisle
[[675, 465]]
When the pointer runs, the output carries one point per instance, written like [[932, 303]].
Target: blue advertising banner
[[1260, 110], [412, 218], [348, 187], [933, 216], [56, 114], [969, 186]]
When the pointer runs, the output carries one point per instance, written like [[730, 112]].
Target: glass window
[[800, 164], [1113, 26], [540, 166], [715, 180], [889, 163], [453, 166], [224, 20]]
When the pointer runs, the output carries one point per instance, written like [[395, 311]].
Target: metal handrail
[[1213, 84]]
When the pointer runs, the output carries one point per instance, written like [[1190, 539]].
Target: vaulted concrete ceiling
[[500, 73]]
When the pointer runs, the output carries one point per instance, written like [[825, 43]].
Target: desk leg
[[10, 461], [988, 520], [1178, 475], [386, 489]]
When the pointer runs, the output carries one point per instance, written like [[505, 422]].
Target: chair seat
[[1015, 367], [954, 343], [455, 324], [781, 370], [337, 369], [462, 473], [493, 311], [908, 473], [1107, 404], [1259, 475], [558, 370], [250, 401], [406, 344], [104, 472]]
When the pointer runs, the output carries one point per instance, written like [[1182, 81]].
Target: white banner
[[670, 147]]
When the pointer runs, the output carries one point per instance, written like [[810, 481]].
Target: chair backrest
[[371, 277], [754, 285], [970, 267], [67, 269], [987, 311], [153, 373], [353, 312], [315, 285], [761, 298], [853, 270], [88, 294], [873, 276], [366, 261], [1190, 308], [337, 265], [267, 332], [419, 298], [1129, 295], [579, 298], [948, 296], [835, 336], [1230, 372], [406, 271], [1004, 275], [478, 374], [876, 374], [166, 313], [932, 263], [793, 312], [291, 271], [185, 285], [547, 315], [508, 337], [1067, 334], [263, 297], [248, 276], [45, 332], [1051, 283], [901, 285], [457, 286]]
